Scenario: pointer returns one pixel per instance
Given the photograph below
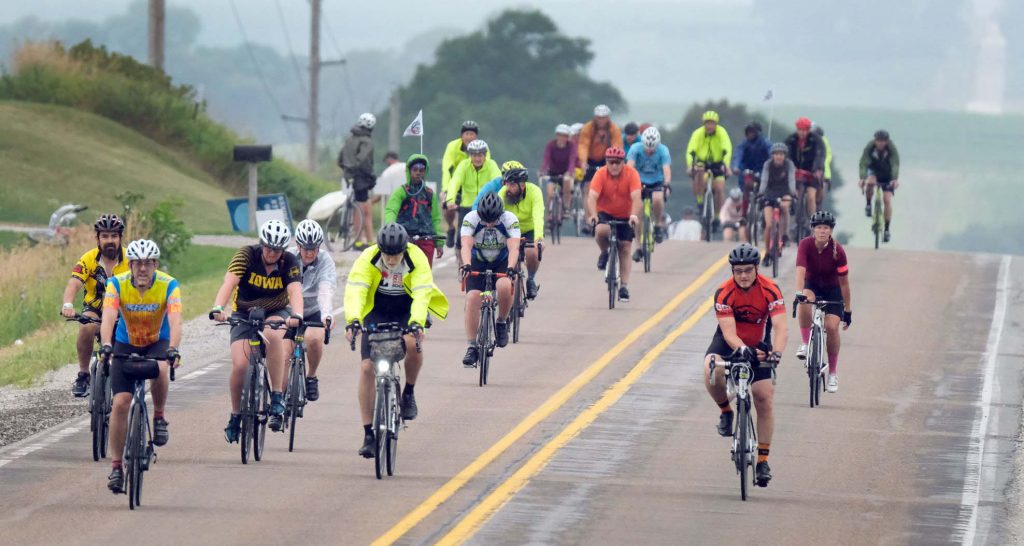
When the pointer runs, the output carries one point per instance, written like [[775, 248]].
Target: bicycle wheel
[[813, 367], [612, 273], [484, 342], [292, 402], [108, 399], [380, 428], [517, 308], [392, 439], [776, 250], [248, 411], [96, 405], [647, 241], [742, 444], [876, 220], [261, 416], [136, 450], [577, 211]]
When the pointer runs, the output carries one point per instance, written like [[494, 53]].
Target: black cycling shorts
[[646, 190], [478, 282], [623, 232], [463, 211], [721, 348], [376, 317], [244, 331], [118, 382], [828, 294], [592, 167], [717, 169]]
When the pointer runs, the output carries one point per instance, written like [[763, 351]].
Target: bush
[[160, 224], [143, 98]]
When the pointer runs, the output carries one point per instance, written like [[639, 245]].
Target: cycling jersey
[[558, 161], [731, 212], [777, 180], [319, 279], [828, 158], [884, 164], [454, 155], [807, 154], [614, 194], [469, 180], [494, 186], [713, 148], [408, 289], [594, 141], [490, 243], [90, 271], [415, 207], [825, 266], [650, 166], [143, 316], [529, 210], [752, 308], [751, 154], [256, 287]]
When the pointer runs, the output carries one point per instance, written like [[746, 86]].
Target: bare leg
[[119, 423], [625, 264], [764, 392], [413, 360], [239, 365], [277, 355], [504, 289], [717, 391], [86, 335], [367, 381], [887, 201], [158, 387], [472, 313], [314, 350]]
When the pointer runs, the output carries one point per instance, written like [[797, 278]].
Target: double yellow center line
[[504, 491]]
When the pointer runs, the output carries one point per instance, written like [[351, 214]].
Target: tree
[[517, 78]]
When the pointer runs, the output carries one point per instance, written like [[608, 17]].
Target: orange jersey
[[752, 308]]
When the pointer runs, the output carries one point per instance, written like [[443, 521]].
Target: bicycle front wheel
[[380, 428], [612, 273], [484, 340], [248, 407], [517, 309], [97, 403], [813, 367], [259, 438], [776, 251], [396, 424], [294, 400], [647, 244], [742, 444], [136, 451]]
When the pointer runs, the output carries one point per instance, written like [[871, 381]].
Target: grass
[[54, 155], [10, 239], [52, 344]]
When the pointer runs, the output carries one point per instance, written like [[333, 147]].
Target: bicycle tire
[[247, 407], [555, 214], [380, 427], [96, 407], [813, 366], [577, 211], [776, 250], [876, 220], [742, 445], [259, 437], [333, 228], [647, 243], [392, 440], [484, 342], [611, 274], [108, 398], [517, 306], [292, 404], [135, 453]]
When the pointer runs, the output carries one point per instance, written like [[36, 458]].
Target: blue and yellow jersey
[[143, 316]]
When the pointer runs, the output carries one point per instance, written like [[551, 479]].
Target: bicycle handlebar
[[83, 319], [136, 357], [405, 330], [817, 303], [727, 365]]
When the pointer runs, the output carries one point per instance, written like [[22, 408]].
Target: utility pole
[[156, 33], [393, 121], [313, 124]]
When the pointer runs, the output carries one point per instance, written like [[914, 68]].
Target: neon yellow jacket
[[529, 210], [470, 181], [828, 159], [453, 156], [716, 148], [364, 278]]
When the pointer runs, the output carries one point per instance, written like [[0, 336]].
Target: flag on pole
[[416, 127], [769, 95]]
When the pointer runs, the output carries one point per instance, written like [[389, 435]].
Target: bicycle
[[611, 269], [707, 217], [387, 350], [751, 180], [801, 227], [577, 209], [295, 391], [345, 224], [254, 405], [815, 360], [485, 342], [647, 235], [519, 300], [554, 208], [877, 219], [774, 250], [100, 395], [739, 375], [139, 452]]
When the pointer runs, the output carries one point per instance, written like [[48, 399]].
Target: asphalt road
[[893, 458]]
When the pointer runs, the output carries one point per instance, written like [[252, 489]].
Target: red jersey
[[825, 267], [752, 308]]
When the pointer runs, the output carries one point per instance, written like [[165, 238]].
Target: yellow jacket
[[529, 209], [453, 155], [716, 148], [364, 278]]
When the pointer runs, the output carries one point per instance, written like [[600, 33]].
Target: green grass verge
[[9, 239], [52, 345]]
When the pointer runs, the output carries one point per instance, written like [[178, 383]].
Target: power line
[[344, 67], [259, 72], [291, 51]]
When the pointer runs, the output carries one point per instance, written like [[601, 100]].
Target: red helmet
[[803, 123], [614, 153]]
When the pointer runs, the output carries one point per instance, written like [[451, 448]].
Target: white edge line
[[972, 475]]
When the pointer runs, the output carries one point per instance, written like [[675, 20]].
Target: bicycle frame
[[816, 358], [877, 217], [387, 351], [611, 271], [485, 342], [100, 395]]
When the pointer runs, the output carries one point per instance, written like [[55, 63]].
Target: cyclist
[[526, 201], [319, 280], [490, 241], [630, 135], [653, 161], [148, 302], [816, 129], [268, 278], [751, 326], [595, 138], [454, 153], [879, 164], [559, 164], [709, 145], [777, 178], [734, 222], [822, 272], [416, 208], [615, 195], [91, 272], [808, 154], [495, 185], [750, 156], [356, 161], [470, 177], [390, 282]]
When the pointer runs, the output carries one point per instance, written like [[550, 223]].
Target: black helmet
[[392, 239], [744, 254], [631, 128], [470, 125], [490, 208], [823, 217], [519, 176], [753, 126], [881, 134], [818, 130], [109, 222]]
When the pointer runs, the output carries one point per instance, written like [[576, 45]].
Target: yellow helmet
[[711, 115], [509, 165]]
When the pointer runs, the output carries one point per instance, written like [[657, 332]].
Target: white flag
[[769, 95], [416, 127]]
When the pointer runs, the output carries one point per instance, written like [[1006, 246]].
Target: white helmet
[[367, 120], [563, 129], [275, 234], [651, 138], [477, 147], [575, 129], [309, 234], [602, 111], [142, 249]]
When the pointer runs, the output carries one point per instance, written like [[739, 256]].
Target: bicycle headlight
[[383, 366]]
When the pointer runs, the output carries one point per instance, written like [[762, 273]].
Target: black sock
[[408, 388], [886, 225], [725, 407], [367, 430]]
